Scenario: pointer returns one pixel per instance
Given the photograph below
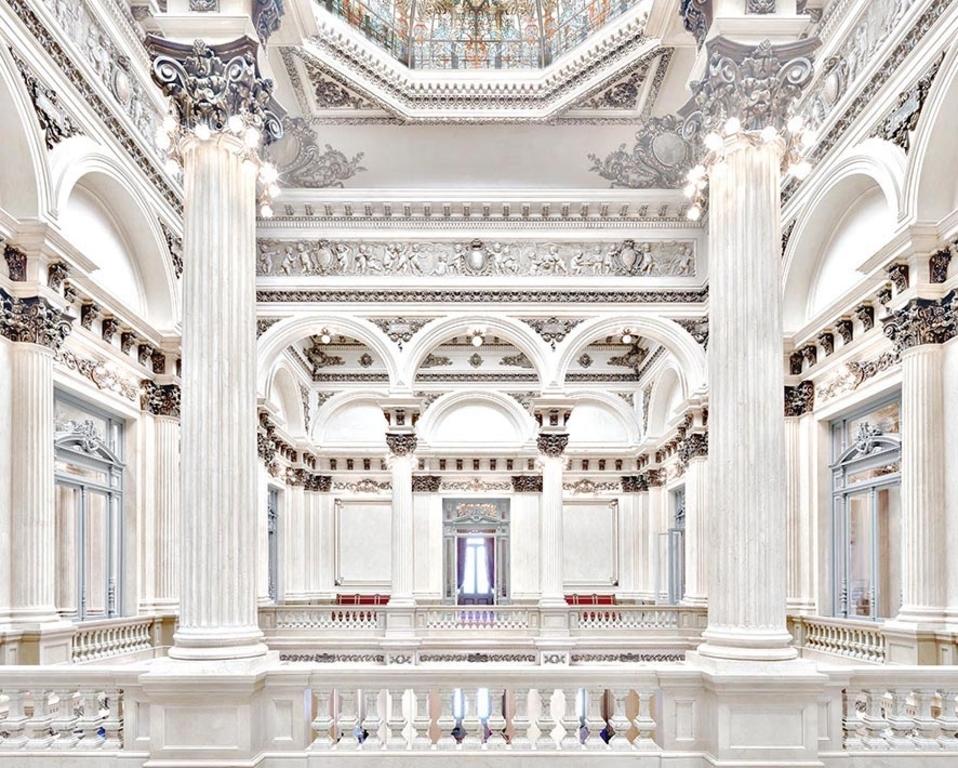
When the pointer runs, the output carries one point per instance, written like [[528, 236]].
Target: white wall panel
[[363, 544], [590, 545]]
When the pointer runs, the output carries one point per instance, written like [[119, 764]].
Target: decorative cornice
[[527, 483], [426, 483], [923, 321], [210, 84], [401, 443], [799, 399], [465, 295], [160, 399], [552, 444], [634, 484], [33, 320]]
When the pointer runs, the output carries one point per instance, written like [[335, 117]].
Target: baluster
[[619, 720], [15, 721], [644, 722], [571, 739], [395, 720], [470, 723], [372, 722], [521, 724], [594, 721], [90, 718], [347, 720], [901, 723], [64, 722], [547, 722], [322, 724], [422, 720], [37, 728], [927, 729], [852, 721], [948, 719], [113, 722], [873, 720], [496, 722], [446, 721]]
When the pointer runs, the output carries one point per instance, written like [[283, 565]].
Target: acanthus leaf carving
[[160, 399], [33, 320], [923, 321]]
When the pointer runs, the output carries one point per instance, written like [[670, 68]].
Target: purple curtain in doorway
[[460, 562]]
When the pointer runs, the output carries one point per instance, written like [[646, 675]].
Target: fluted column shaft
[[746, 428], [696, 538], [550, 532], [167, 511], [294, 524], [657, 514], [403, 562], [218, 600], [923, 485], [31, 493], [642, 547], [799, 529]]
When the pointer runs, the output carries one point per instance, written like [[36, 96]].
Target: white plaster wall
[[524, 545], [596, 425], [359, 423], [481, 423], [427, 543], [590, 531], [950, 416], [6, 437], [363, 544], [262, 550]]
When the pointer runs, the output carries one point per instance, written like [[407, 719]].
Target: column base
[[801, 607], [209, 645], [744, 645], [50, 642]]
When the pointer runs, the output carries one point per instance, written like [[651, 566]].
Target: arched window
[[89, 506], [866, 521]]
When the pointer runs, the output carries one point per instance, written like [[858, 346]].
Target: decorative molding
[[174, 245], [102, 375], [426, 483], [366, 485], [898, 274], [519, 360], [854, 374], [628, 258], [698, 328], [584, 360], [263, 324], [55, 121], [209, 84], [660, 158], [655, 478], [799, 399], [267, 16], [866, 316], [309, 166], [696, 18], [33, 320], [846, 329], [307, 409], [319, 358], [634, 484], [401, 443], [939, 261], [923, 321], [479, 296], [475, 485], [204, 6], [434, 361], [694, 446], [588, 487], [552, 444], [57, 272], [902, 121], [552, 330], [400, 329], [632, 358], [16, 263], [318, 483], [527, 483], [826, 340], [160, 399], [89, 312], [760, 6]]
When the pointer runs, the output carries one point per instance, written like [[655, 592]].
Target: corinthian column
[[919, 328], [743, 103], [37, 329], [221, 116]]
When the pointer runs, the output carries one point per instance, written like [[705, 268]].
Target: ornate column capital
[[634, 484], [426, 483], [552, 443], [16, 263], [694, 446], [319, 483], [799, 399], [923, 321], [218, 87], [401, 443], [654, 478], [33, 320], [757, 84], [527, 483], [160, 399]]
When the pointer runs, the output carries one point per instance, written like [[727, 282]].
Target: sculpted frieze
[[626, 258], [853, 375], [102, 376]]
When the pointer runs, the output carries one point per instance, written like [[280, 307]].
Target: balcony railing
[[112, 638], [859, 641]]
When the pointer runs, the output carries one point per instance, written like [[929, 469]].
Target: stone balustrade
[[825, 637], [111, 638]]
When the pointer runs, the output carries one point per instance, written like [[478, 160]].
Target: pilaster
[[799, 499], [694, 451]]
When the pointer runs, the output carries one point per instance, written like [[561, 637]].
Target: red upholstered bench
[[590, 599], [362, 599]]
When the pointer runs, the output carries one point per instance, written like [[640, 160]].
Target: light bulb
[[163, 139], [795, 123], [266, 211], [171, 166], [477, 340], [808, 138], [273, 190], [268, 173], [699, 171], [251, 137], [733, 125], [694, 213], [235, 123], [801, 169], [689, 190], [325, 338], [769, 134], [626, 338], [713, 142], [169, 123], [202, 131], [701, 184]]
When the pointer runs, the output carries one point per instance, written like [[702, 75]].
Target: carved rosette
[[401, 443], [800, 399], [210, 84], [694, 446], [760, 85], [923, 321], [426, 483], [33, 320], [552, 443], [527, 483], [634, 484], [160, 399]]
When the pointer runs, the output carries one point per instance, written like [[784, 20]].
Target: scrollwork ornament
[[923, 321], [693, 446], [210, 84], [799, 399], [401, 443], [160, 399], [552, 444], [33, 320]]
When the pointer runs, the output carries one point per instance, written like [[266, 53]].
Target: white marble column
[[402, 462], [657, 508], [551, 547], [696, 515], [746, 428], [294, 539], [799, 501], [641, 543], [219, 149], [37, 329]]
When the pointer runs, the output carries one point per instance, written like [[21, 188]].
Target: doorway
[[476, 551]]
